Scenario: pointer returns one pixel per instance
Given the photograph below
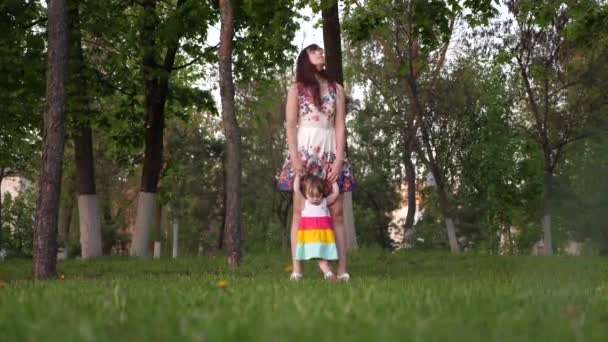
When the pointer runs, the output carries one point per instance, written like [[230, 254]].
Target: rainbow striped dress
[[316, 233]]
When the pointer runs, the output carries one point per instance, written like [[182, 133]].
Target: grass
[[408, 296]]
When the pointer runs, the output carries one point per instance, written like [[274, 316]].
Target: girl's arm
[[335, 192]]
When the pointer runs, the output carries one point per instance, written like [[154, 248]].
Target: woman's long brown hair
[[306, 72]]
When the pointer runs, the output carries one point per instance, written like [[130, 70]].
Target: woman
[[316, 137]]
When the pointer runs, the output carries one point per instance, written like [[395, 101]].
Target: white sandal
[[343, 277], [295, 276], [330, 276]]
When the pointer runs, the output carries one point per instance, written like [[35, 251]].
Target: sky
[[307, 34]]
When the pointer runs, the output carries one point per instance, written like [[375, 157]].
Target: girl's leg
[[337, 215], [324, 266], [297, 210]]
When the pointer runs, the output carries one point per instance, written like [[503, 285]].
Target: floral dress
[[316, 140]]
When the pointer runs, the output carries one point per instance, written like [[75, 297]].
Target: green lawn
[[403, 296]]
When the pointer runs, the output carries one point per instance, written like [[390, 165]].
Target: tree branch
[[439, 65], [101, 78], [35, 22], [208, 50]]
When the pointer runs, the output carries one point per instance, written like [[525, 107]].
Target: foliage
[[17, 222], [22, 61]]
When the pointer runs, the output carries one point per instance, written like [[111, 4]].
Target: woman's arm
[[335, 192], [340, 124], [291, 116], [296, 187]]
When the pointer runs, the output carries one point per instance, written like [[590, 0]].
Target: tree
[[80, 116], [156, 77], [387, 109], [232, 162], [21, 88], [555, 112], [332, 40], [415, 38], [47, 208], [333, 65]]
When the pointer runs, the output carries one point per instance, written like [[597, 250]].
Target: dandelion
[[222, 284], [61, 277], [288, 268]]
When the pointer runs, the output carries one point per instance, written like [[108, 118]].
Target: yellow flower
[[222, 284], [289, 268], [61, 277], [573, 311]]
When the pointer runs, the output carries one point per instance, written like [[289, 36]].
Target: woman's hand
[[335, 171], [297, 166]]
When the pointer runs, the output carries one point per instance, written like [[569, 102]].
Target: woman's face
[[317, 58]]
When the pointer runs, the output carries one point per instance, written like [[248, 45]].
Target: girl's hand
[[335, 171], [297, 166]]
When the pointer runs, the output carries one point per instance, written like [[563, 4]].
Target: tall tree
[[45, 227], [79, 113], [387, 80], [551, 69], [415, 39], [21, 88], [232, 162], [156, 86], [332, 42]]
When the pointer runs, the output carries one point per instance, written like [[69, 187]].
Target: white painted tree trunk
[[349, 222], [143, 223], [90, 226], [175, 238], [547, 239], [156, 249], [449, 223]]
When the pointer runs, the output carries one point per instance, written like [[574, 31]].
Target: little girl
[[315, 230]]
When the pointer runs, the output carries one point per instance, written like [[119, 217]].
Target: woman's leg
[[337, 215], [297, 210]]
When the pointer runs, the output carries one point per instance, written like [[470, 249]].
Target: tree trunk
[[175, 236], [88, 207], [547, 236], [47, 208], [153, 135], [158, 222], [410, 176], [88, 203], [1, 179], [333, 66], [447, 214], [232, 228], [90, 226], [349, 222], [156, 86], [332, 40], [283, 211], [66, 210]]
